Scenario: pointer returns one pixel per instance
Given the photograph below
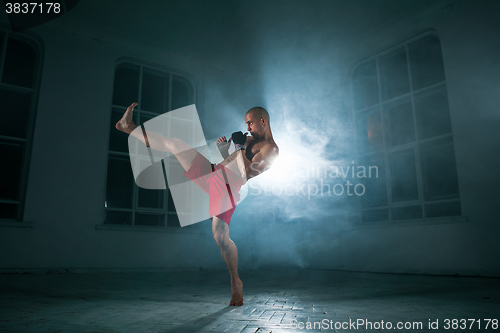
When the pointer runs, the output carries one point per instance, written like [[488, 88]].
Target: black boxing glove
[[239, 140]]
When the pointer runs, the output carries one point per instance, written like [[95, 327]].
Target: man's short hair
[[259, 112]]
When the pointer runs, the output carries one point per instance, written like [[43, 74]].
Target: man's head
[[257, 120]]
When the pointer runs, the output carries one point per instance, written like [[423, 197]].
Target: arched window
[[403, 127], [157, 91], [20, 66]]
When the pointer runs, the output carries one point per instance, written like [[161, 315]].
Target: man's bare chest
[[252, 148]]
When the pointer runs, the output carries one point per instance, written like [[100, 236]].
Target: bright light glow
[[302, 155]]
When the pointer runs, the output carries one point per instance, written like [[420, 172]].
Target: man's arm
[[223, 146]]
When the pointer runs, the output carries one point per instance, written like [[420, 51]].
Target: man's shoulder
[[271, 148]]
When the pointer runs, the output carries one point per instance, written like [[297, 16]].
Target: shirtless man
[[253, 155]]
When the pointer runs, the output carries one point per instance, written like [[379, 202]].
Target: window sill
[[119, 227], [16, 224], [415, 222]]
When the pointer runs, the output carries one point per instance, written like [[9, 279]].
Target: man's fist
[[239, 140], [222, 144]]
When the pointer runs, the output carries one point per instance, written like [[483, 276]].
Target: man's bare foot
[[236, 293], [125, 124]]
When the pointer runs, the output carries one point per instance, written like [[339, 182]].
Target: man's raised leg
[[183, 152], [229, 253]]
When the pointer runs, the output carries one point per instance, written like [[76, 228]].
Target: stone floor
[[275, 301]]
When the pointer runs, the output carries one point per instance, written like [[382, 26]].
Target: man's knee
[[220, 239]]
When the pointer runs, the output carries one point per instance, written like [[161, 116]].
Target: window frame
[[170, 72], [415, 145], [37, 46]]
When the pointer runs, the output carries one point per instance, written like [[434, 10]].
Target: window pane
[[149, 219], [426, 62], [403, 176], [1, 42], [118, 141], [369, 127], [145, 117], [10, 169], [112, 217], [433, 115], [180, 128], [375, 215], [20, 61], [8, 211], [173, 221], [126, 86], [182, 93], [443, 209], [119, 189], [154, 92], [400, 125], [374, 181], [365, 85], [15, 113], [170, 204], [394, 74], [149, 198], [405, 213], [439, 168]]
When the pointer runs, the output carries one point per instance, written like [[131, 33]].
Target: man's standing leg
[[229, 253]]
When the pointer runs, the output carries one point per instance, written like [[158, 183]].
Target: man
[[253, 155]]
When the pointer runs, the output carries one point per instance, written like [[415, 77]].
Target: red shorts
[[221, 184]]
